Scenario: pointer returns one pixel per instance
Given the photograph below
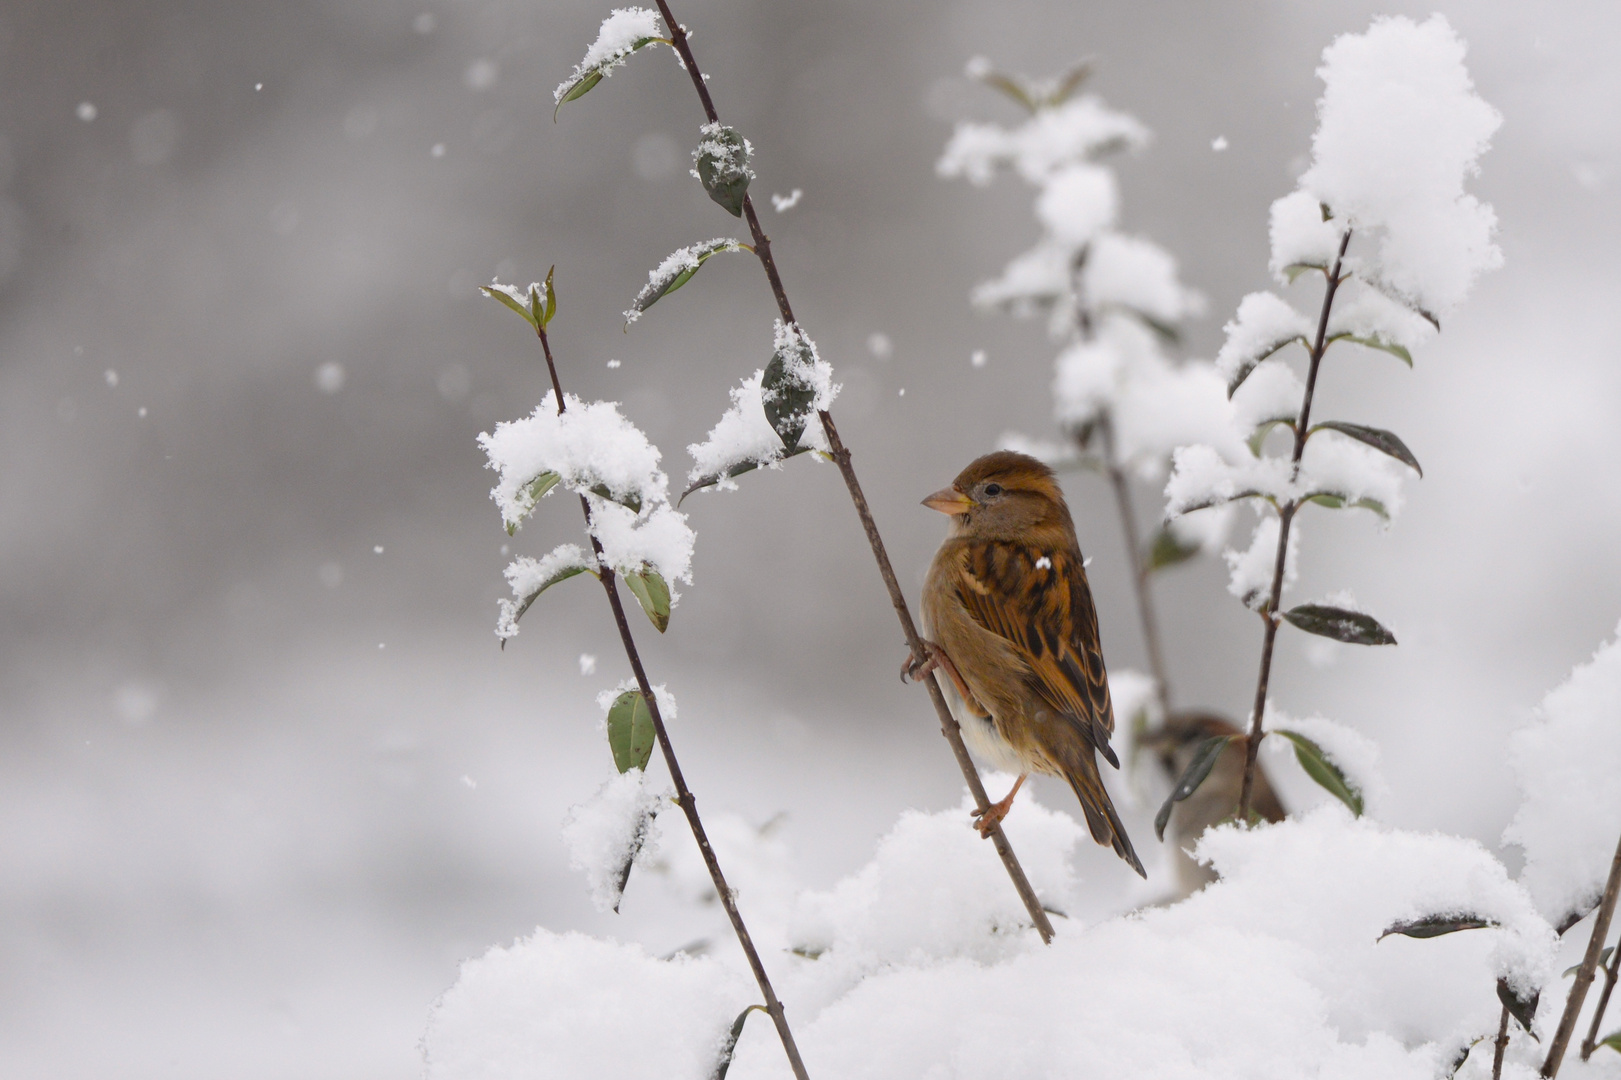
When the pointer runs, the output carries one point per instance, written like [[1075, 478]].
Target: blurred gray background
[[264, 775]]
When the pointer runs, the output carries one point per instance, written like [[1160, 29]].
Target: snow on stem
[[841, 457], [684, 797]]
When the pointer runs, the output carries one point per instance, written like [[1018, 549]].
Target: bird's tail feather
[[1107, 829]]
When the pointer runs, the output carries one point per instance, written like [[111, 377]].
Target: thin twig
[[1590, 1043], [1137, 559], [1501, 1045], [1286, 516], [1584, 974], [684, 797], [841, 455]]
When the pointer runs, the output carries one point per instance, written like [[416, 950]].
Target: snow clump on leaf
[[591, 449], [1567, 760], [1400, 129]]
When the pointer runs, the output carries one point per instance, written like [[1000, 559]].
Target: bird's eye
[[993, 490]]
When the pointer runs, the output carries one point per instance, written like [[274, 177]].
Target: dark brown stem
[[1286, 515], [1500, 1045], [948, 723], [1584, 974], [1138, 560], [1590, 1043], [684, 797]]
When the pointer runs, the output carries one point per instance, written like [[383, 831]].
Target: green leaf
[[1325, 772], [1066, 84], [1377, 342], [531, 494], [630, 500], [551, 299], [1386, 442], [723, 166], [1612, 1040], [787, 394], [1258, 438], [1293, 271], [1249, 365], [510, 301], [1166, 331], [679, 273], [1603, 961], [561, 575], [652, 593], [1335, 501], [630, 731], [584, 80], [1204, 759], [729, 1047], [1436, 925], [1167, 549], [1341, 624], [1522, 1009]]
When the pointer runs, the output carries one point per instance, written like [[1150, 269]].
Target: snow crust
[[615, 42], [609, 830], [1400, 129], [1566, 760], [568, 1005], [590, 445], [920, 966]]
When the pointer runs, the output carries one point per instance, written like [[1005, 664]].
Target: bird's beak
[[949, 501]]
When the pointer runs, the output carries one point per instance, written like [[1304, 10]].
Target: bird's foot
[[988, 819], [917, 670]]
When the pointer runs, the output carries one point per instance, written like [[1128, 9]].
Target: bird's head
[[1006, 496]]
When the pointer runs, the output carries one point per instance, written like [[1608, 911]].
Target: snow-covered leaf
[[1433, 925], [1384, 441], [1321, 769], [622, 33], [729, 1046], [630, 731], [529, 496], [530, 577], [1341, 624], [722, 166], [651, 591], [675, 271], [1204, 759], [1242, 367], [1522, 1008], [787, 393]]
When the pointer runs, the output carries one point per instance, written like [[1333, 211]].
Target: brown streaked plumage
[[1011, 622], [1216, 800]]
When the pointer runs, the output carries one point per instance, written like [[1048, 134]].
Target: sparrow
[[1216, 800], [1010, 620]]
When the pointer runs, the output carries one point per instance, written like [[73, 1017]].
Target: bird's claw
[[987, 820], [915, 670]]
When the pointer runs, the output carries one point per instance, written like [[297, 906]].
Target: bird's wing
[[1039, 601]]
